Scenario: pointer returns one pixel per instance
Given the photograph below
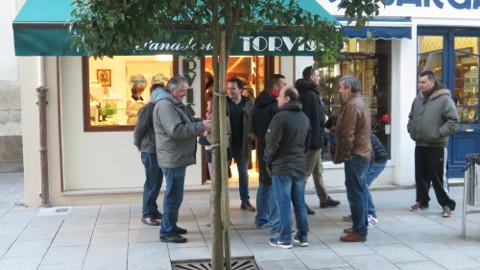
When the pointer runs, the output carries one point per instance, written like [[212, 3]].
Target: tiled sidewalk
[[112, 236]]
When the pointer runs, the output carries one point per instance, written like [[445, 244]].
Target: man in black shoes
[[313, 108], [286, 142], [265, 108], [240, 110], [175, 141], [432, 120]]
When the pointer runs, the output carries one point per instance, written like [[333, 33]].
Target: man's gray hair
[[351, 82], [175, 82]]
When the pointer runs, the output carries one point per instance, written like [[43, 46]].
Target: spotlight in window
[[164, 57]]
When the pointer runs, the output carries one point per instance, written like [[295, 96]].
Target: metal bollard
[[471, 189]]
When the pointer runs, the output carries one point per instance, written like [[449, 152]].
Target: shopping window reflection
[[118, 87], [369, 60]]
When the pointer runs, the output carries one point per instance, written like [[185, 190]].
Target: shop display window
[[116, 88], [369, 61]]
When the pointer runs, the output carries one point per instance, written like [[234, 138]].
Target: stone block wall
[[11, 152]]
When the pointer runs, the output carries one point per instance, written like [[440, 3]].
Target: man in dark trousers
[[265, 108], [286, 142], [144, 140], [354, 148], [313, 108], [240, 110], [432, 120]]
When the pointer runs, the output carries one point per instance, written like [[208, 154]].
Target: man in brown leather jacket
[[354, 149]]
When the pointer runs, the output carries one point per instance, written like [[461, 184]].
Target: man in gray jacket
[[286, 143], [432, 119], [175, 137]]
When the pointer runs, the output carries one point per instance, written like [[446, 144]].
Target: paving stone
[[397, 253], [350, 249], [265, 252], [38, 233], [65, 255], [282, 265], [420, 265], [445, 256], [373, 262], [72, 238], [34, 248], [60, 267], [20, 263], [189, 253], [143, 235], [145, 256], [106, 258], [320, 258]]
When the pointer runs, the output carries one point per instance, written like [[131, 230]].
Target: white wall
[[8, 67]]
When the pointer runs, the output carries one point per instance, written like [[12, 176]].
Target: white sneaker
[[372, 221]]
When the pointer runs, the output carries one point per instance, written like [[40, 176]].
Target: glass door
[[467, 81]]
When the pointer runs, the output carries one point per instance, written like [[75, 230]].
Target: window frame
[[87, 126]]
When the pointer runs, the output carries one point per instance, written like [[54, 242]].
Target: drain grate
[[238, 263]]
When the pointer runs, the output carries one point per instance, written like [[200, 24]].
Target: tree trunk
[[216, 214], [223, 148]]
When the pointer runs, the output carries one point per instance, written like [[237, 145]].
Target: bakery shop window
[[116, 88]]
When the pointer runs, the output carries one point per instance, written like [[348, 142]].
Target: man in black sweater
[[313, 108], [263, 111]]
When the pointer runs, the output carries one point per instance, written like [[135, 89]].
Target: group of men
[[288, 124]]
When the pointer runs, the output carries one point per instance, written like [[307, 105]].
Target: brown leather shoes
[[246, 205], [310, 211], [348, 230], [150, 221], [353, 237]]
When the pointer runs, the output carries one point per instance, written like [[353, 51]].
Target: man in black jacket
[[313, 108], [263, 111], [286, 142]]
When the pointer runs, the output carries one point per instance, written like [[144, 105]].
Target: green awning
[[41, 28]]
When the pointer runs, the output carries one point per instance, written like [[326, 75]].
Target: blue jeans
[[172, 199], [374, 171], [267, 215], [153, 183], [242, 165], [357, 192], [289, 190]]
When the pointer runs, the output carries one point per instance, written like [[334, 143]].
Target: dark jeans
[[430, 165], [356, 170], [374, 170], [153, 183], [172, 199], [242, 165], [289, 190], [267, 214]]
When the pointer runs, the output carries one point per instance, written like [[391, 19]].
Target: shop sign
[[463, 9], [243, 45]]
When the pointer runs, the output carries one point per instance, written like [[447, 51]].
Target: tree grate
[[238, 263]]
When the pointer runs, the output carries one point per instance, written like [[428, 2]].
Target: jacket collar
[[436, 94], [291, 106]]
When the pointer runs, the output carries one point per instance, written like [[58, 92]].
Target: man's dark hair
[[430, 75], [292, 93], [331, 122], [351, 82], [307, 72], [275, 79], [240, 83]]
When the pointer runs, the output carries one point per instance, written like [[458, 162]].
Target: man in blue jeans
[[286, 143], [144, 140], [175, 139], [263, 112], [353, 148], [240, 114], [377, 165]]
